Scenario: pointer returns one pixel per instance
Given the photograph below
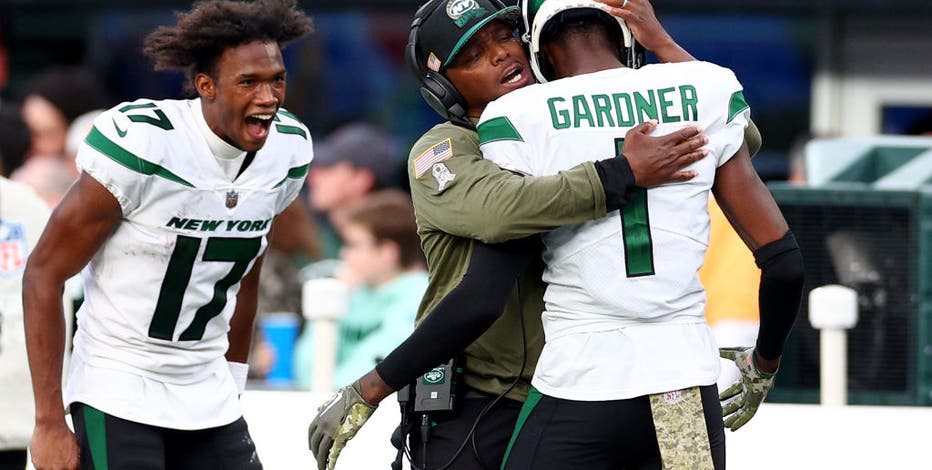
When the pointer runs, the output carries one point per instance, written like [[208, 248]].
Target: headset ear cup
[[441, 95]]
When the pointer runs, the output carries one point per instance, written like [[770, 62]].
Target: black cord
[[425, 435], [475, 449], [471, 435]]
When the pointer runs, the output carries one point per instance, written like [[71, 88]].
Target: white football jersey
[[623, 291], [159, 294]]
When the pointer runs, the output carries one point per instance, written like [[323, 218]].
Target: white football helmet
[[537, 13]]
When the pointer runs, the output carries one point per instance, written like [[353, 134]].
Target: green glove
[[741, 400], [337, 421]]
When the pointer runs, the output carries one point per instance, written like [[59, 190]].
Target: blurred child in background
[[384, 266]]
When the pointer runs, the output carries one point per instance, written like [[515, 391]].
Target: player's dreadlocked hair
[[195, 44]]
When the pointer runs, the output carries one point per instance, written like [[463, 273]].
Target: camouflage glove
[[337, 421], [741, 400]]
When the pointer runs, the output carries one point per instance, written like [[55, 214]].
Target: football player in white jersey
[[168, 220], [627, 374]]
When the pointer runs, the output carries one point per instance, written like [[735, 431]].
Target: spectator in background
[[4, 56], [53, 101], [14, 140], [384, 265], [292, 243], [77, 132], [353, 161], [22, 218], [50, 176]]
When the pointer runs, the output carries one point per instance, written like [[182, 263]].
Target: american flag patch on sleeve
[[436, 153]]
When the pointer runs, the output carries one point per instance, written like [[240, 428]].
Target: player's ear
[[205, 87]]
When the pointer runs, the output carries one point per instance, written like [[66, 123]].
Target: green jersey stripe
[[635, 226], [96, 427], [295, 173], [497, 129], [533, 399], [291, 130], [126, 158], [136, 106], [286, 113], [736, 105]]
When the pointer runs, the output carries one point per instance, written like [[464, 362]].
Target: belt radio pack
[[436, 391]]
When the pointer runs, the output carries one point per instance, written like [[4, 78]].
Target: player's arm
[[301, 233], [486, 203], [241, 325], [460, 318], [463, 315], [756, 218], [78, 227], [754, 214]]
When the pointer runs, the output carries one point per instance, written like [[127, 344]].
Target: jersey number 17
[[239, 251]]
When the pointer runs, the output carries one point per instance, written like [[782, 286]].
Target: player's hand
[[741, 400], [660, 160], [642, 21], [54, 447], [337, 421]]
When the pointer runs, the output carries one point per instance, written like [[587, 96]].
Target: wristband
[[239, 371]]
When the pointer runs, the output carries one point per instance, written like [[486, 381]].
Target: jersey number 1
[[239, 251], [635, 229]]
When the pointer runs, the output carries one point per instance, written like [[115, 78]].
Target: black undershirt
[[464, 313], [250, 156]]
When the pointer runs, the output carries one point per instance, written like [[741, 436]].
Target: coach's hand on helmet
[[337, 421], [741, 400], [640, 18]]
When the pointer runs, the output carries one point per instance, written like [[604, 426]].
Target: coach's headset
[[435, 88], [441, 95]]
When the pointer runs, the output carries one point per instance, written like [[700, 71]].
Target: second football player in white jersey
[[169, 220], [621, 286], [629, 365]]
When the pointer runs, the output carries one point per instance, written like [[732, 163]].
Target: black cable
[[425, 435], [513, 384], [470, 436]]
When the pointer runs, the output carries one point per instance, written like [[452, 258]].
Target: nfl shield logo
[[673, 397], [232, 199], [12, 248]]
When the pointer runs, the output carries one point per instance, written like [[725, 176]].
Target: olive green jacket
[[458, 196]]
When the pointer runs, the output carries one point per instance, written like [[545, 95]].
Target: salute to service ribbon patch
[[435, 154]]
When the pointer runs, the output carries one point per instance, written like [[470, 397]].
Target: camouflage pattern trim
[[681, 430], [741, 400], [356, 416]]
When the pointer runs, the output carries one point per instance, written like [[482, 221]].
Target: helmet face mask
[[537, 14]]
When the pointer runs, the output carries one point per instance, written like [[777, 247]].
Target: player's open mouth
[[513, 76], [258, 125]]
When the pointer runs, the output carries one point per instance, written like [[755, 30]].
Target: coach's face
[[491, 64], [243, 93]]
